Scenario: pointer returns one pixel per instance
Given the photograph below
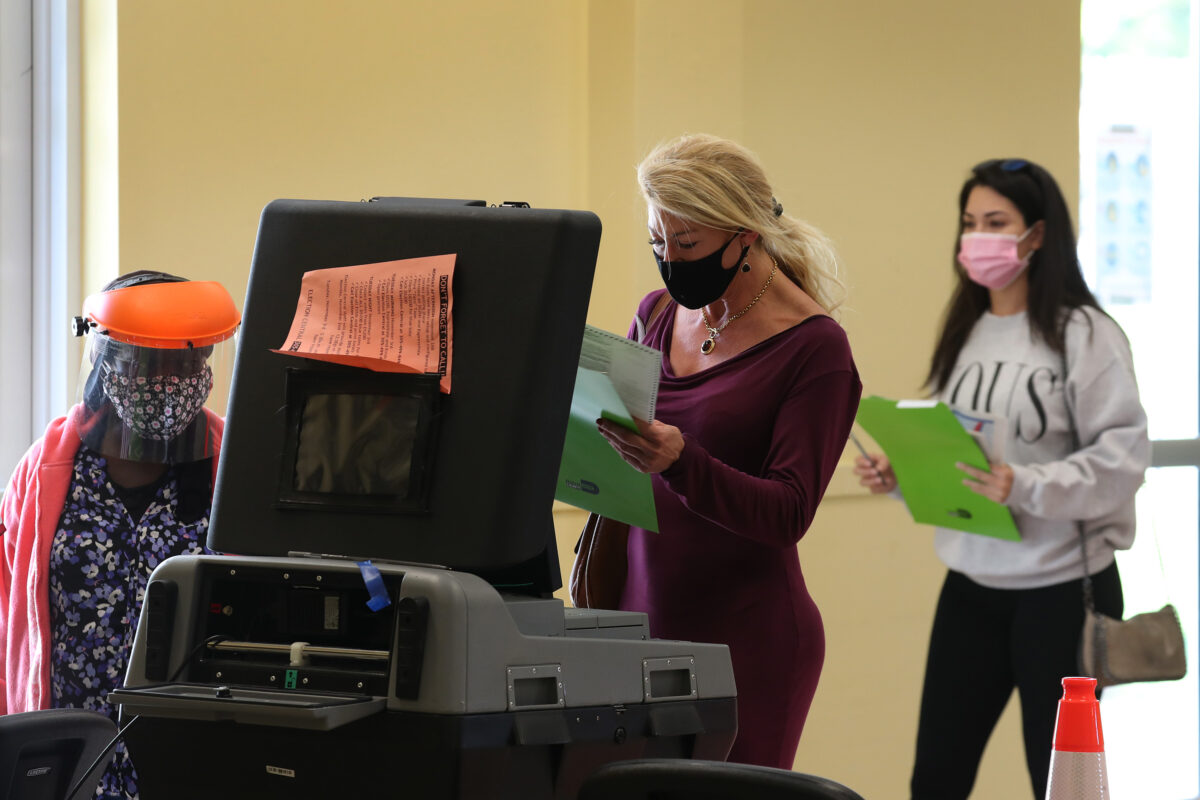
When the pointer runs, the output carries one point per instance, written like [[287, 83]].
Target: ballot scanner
[[380, 618]]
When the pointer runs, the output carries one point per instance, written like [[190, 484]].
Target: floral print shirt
[[100, 563]]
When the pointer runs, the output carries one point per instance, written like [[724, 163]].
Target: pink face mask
[[991, 259]]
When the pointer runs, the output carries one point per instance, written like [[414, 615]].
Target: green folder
[[923, 441], [592, 476]]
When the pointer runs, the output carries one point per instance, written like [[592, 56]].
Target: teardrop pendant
[[708, 345]]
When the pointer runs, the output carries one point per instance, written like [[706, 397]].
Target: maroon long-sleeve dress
[[763, 432]]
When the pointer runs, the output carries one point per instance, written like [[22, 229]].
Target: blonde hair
[[720, 184]]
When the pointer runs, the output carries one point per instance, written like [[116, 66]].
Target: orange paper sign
[[394, 316]]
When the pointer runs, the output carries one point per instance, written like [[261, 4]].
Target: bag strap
[[1089, 602], [643, 327], [1089, 598]]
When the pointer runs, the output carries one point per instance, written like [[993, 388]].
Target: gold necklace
[[710, 344]]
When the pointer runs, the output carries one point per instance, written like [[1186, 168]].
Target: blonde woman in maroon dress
[[758, 391]]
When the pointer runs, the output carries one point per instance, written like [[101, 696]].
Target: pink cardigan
[[29, 514]]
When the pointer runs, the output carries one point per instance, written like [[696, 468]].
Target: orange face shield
[[156, 350], [166, 316]]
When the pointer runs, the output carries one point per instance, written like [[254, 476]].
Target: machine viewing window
[[358, 444]]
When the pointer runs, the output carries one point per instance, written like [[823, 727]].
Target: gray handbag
[[1145, 647]]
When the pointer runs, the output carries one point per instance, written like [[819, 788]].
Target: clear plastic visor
[[143, 403]]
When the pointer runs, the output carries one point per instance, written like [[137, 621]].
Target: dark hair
[[140, 277], [1056, 283]]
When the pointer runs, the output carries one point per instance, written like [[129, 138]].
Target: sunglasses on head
[[1005, 164]]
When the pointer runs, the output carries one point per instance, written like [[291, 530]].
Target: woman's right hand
[[875, 473]]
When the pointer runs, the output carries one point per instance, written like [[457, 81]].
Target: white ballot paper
[[632, 368]]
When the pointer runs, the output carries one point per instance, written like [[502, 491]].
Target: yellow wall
[[867, 116]]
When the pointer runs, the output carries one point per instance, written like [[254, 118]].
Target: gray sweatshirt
[[1057, 479]]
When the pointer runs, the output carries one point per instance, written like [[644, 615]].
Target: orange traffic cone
[[1077, 770]]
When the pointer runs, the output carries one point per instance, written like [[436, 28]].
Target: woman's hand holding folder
[[994, 485]]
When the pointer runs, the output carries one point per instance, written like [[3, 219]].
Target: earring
[[746, 267]]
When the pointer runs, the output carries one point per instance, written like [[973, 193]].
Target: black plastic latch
[[412, 617], [538, 728], [675, 720], [158, 613]]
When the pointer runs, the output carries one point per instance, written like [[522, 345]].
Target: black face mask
[[698, 283]]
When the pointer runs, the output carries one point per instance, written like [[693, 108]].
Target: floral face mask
[[158, 407]]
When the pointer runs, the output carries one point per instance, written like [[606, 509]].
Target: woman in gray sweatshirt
[[1025, 341]]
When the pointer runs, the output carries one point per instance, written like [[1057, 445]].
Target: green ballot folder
[[592, 475], [923, 441]]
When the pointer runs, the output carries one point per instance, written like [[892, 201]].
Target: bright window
[[1138, 244], [39, 201]]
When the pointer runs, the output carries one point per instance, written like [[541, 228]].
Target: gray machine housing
[[482, 652], [473, 694]]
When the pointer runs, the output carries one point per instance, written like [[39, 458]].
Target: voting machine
[[386, 626]]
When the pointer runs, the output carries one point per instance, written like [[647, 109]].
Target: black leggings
[[984, 643]]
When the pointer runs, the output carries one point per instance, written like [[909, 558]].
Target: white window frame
[[39, 216]]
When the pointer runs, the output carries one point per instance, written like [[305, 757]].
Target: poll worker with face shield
[[120, 483], [757, 393]]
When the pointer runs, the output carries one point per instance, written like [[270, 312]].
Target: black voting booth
[[277, 672]]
